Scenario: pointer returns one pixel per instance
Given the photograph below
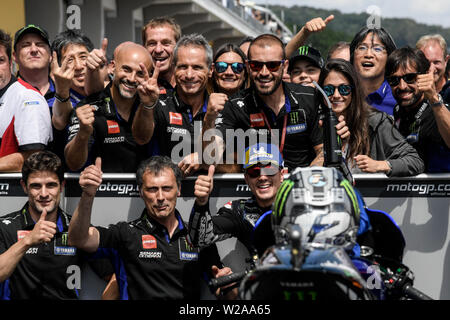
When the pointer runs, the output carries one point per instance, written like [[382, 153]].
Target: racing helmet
[[322, 203]]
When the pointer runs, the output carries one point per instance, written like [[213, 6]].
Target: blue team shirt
[[382, 99]]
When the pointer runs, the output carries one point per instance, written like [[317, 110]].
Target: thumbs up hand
[[425, 83], [43, 231], [97, 57], [203, 186], [91, 178]]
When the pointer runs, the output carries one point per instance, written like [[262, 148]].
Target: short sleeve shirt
[[298, 119]]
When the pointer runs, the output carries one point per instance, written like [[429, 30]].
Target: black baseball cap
[[31, 28], [308, 53]]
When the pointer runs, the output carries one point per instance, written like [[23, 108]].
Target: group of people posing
[[171, 108]]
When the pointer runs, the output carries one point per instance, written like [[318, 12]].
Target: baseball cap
[[309, 53], [262, 153], [31, 28]]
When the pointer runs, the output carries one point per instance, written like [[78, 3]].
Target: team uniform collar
[[62, 220]]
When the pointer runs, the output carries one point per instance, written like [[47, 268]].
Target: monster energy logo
[[64, 239], [294, 117], [281, 196], [303, 50]]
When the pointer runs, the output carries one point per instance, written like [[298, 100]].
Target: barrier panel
[[420, 205]]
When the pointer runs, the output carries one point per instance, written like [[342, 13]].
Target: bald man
[[100, 126]]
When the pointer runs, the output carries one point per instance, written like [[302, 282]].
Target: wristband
[[390, 168], [150, 107], [438, 103], [57, 97]]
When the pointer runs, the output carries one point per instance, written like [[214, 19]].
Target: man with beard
[[281, 113], [369, 51], [421, 114], [34, 253], [101, 124]]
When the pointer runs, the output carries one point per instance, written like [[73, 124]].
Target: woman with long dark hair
[[374, 144], [229, 73]]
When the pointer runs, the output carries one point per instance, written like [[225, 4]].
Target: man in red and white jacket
[[25, 123]]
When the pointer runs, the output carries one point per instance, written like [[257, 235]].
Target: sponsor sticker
[[31, 103], [175, 118], [148, 242], [256, 120], [113, 127]]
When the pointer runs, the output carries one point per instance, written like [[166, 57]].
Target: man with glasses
[[421, 115], [369, 51], [263, 166], [274, 111]]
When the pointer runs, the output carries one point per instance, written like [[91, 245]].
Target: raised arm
[[96, 61], [81, 234], [144, 122], [63, 76], [43, 231], [313, 25]]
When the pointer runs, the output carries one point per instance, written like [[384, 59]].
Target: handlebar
[[225, 280]]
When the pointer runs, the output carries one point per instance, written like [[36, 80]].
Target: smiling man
[[421, 114], [159, 36], [369, 51], [154, 253], [34, 252], [284, 114], [101, 124], [263, 166], [173, 118]]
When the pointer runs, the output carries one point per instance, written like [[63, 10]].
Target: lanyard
[[416, 117], [287, 103]]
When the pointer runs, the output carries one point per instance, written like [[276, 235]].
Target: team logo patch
[[256, 120], [148, 242], [175, 118], [113, 127], [187, 251], [296, 128], [61, 246], [31, 103], [21, 234]]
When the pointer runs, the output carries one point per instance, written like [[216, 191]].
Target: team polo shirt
[[298, 119], [382, 99], [176, 128], [420, 129], [112, 139], [150, 265], [25, 122], [43, 272]]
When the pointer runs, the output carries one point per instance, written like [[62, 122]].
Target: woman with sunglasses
[[374, 144], [229, 74]]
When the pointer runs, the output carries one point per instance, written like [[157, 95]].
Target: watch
[[57, 97], [439, 102]]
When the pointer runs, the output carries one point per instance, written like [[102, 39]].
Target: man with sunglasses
[[420, 114], [263, 166], [270, 108]]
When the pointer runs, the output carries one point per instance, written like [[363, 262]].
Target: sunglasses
[[221, 67], [272, 66], [344, 89], [256, 171], [409, 78]]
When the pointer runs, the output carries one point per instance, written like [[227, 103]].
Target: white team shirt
[[25, 121]]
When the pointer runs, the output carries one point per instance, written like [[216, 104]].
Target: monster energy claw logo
[[303, 50], [294, 117], [64, 239]]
